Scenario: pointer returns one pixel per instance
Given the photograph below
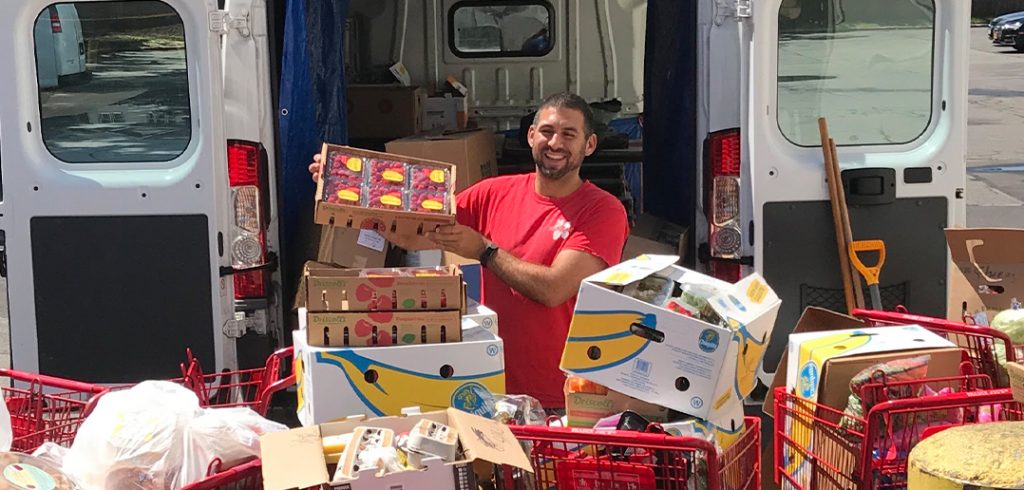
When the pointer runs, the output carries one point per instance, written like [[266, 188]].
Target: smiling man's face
[[559, 142]]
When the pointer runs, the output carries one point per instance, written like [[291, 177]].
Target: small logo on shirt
[[561, 229]]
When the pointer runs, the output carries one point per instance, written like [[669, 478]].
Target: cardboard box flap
[[992, 260], [293, 459], [488, 440], [813, 319], [633, 270]]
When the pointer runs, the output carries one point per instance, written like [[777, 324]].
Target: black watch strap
[[488, 254]]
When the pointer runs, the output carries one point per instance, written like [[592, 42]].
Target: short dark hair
[[569, 100]]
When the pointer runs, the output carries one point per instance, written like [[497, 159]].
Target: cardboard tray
[[405, 223]]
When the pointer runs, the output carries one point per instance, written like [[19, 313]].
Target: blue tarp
[[312, 110], [670, 98]]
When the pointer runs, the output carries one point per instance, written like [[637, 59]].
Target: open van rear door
[[891, 79], [114, 192]]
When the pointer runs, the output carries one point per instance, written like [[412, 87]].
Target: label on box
[[371, 240]]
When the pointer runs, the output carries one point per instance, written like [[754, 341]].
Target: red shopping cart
[[45, 408], [983, 345], [246, 476], [251, 388], [822, 448], [577, 459]]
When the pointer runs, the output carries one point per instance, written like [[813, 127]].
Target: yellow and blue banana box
[[665, 357], [335, 382], [808, 352]]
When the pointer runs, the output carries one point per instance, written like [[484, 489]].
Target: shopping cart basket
[[45, 408], [821, 448], [577, 459], [246, 476], [251, 388], [983, 344]]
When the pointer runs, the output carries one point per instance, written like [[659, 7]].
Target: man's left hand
[[460, 240]]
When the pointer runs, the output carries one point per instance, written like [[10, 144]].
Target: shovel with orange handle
[[870, 273]]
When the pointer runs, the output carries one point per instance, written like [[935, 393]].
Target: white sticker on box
[[371, 240]]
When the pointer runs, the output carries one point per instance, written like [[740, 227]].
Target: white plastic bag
[[6, 434], [155, 436], [230, 435], [133, 438]]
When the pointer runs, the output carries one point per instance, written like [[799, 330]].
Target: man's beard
[[557, 173]]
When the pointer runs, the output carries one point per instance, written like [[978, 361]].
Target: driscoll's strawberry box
[[374, 190], [383, 328], [332, 289]]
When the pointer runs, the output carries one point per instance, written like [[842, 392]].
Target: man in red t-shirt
[[538, 236]]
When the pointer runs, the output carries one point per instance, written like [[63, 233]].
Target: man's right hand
[[316, 167]]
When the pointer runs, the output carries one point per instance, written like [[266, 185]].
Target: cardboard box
[[586, 409], [813, 319], [834, 389], [352, 248], [666, 358], [445, 112], [383, 328], [384, 111], [655, 236], [337, 290], [482, 316], [989, 271], [405, 223], [336, 382], [472, 152], [810, 353], [1016, 372], [295, 459]]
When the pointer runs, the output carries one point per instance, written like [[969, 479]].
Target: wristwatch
[[488, 254]]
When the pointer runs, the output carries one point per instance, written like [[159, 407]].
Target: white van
[[60, 47], [142, 210]]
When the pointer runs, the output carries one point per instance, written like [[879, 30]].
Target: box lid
[[488, 440], [293, 459], [992, 261], [633, 270]]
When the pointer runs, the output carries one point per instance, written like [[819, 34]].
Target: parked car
[[60, 47]]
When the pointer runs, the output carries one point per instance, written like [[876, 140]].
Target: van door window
[[865, 66], [497, 29], [113, 85]]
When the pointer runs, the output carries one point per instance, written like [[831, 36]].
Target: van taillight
[[722, 189], [249, 244], [55, 20]]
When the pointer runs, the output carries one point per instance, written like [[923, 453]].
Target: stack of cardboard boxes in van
[[373, 341]]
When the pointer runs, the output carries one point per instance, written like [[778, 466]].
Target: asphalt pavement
[[995, 135]]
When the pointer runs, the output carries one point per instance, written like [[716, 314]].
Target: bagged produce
[[156, 436]]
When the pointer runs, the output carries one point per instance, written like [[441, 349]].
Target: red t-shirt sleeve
[[602, 233], [469, 205]]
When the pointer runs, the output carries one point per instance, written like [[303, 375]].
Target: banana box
[[667, 358], [336, 382], [808, 352]]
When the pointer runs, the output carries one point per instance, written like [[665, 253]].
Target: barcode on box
[[642, 366]]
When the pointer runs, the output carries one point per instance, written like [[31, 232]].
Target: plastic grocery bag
[[228, 436], [6, 433], [133, 438], [155, 436]]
